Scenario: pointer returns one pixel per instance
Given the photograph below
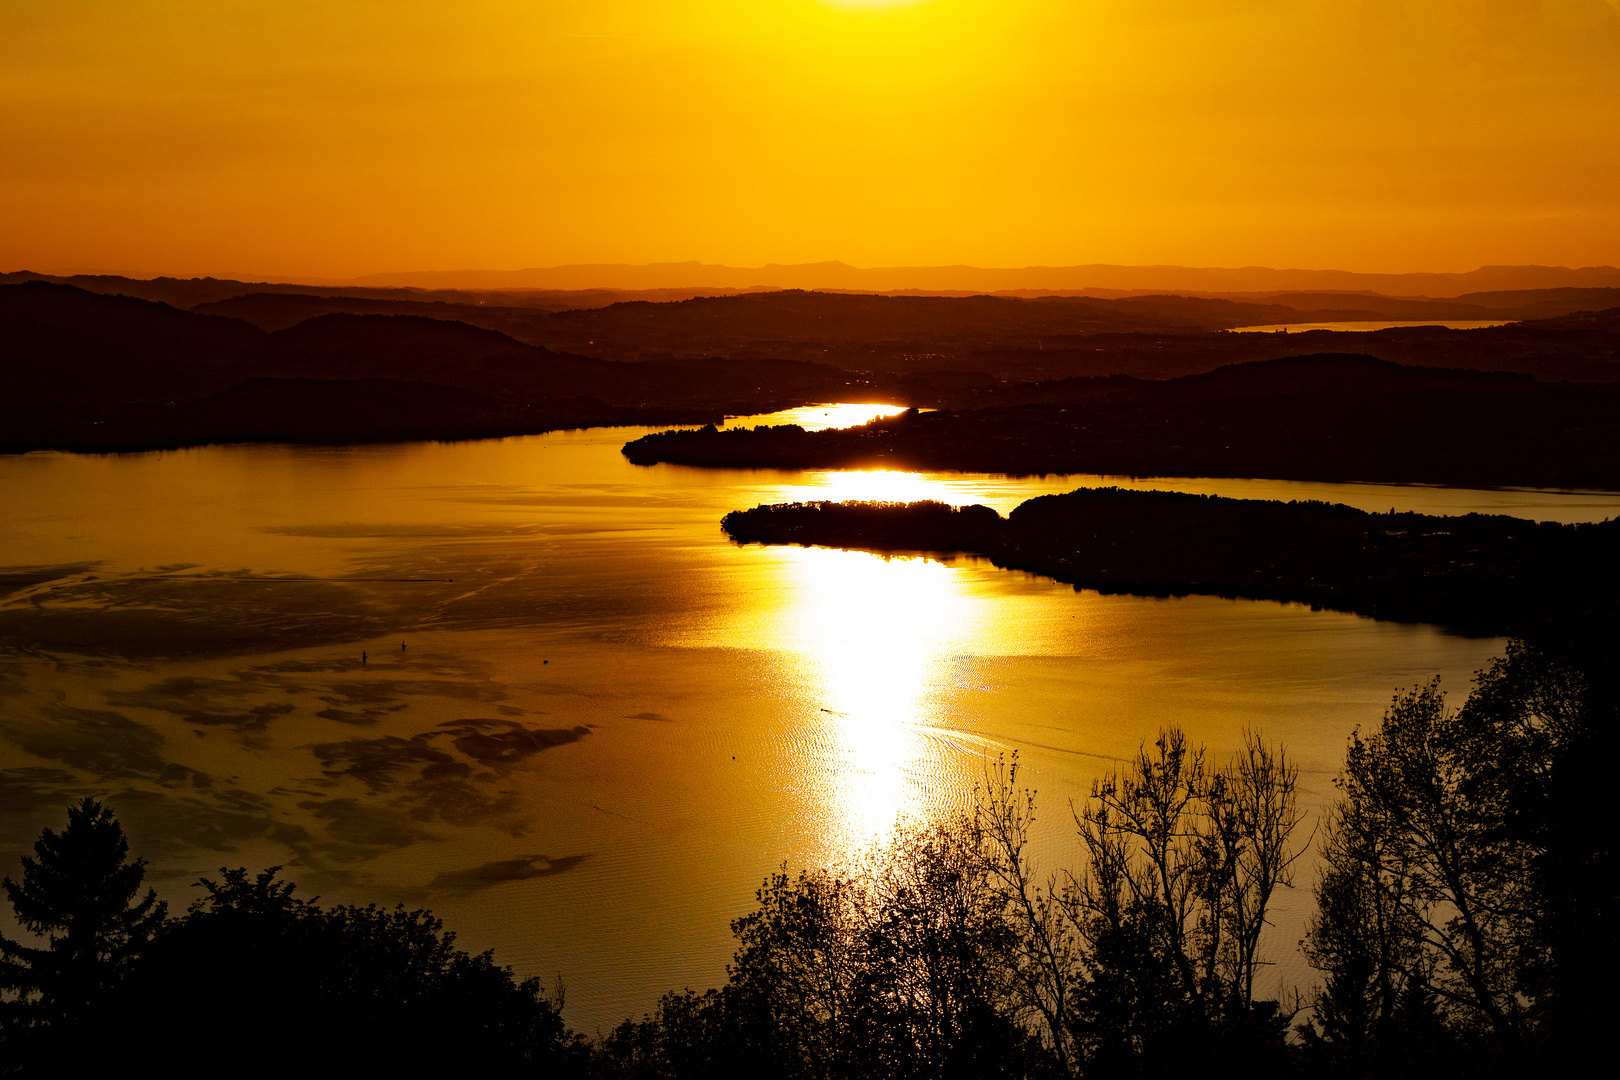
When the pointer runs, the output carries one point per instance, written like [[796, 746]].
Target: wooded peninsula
[[1476, 574]]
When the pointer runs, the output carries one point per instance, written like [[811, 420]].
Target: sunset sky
[[348, 137]]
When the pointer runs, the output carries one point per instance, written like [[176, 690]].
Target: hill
[[89, 371], [1329, 417]]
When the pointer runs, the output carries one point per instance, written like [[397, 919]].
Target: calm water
[[1367, 325], [607, 722]]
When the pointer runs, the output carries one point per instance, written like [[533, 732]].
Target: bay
[[533, 687]]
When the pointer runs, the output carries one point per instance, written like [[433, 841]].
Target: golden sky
[[345, 137]]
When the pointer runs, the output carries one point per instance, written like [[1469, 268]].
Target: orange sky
[[345, 137]]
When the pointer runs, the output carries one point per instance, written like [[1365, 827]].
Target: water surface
[[1368, 325], [533, 687]]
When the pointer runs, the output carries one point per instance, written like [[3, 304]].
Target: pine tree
[[79, 894]]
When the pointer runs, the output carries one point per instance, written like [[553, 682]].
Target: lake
[[533, 687], [1368, 325]]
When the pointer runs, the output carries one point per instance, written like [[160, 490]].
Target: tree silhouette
[[79, 894], [1468, 895], [362, 990]]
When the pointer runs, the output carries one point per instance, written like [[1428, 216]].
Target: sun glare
[[872, 637], [874, 485], [819, 417], [878, 3]]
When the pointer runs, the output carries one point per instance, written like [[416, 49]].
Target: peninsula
[[1476, 574]]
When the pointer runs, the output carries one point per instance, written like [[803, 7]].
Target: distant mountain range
[[1097, 278], [677, 281]]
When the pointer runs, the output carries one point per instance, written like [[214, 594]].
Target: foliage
[[1149, 954], [947, 954], [1466, 907], [79, 892], [893, 966], [250, 962]]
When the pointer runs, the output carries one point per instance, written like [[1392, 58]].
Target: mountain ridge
[[839, 275], [696, 278]]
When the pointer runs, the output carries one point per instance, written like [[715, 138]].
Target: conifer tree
[[79, 893]]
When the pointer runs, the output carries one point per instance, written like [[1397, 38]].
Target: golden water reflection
[[872, 640], [874, 485], [818, 417]]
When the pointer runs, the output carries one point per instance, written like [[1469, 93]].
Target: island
[[1476, 574]]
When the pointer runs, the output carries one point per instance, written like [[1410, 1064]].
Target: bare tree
[[1160, 927], [1043, 947], [1252, 810]]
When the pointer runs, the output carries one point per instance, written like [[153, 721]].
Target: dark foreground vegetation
[[1465, 925], [1332, 417], [1477, 573]]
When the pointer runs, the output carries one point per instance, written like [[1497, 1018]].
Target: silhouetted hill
[[1582, 346], [1333, 374], [800, 325], [1478, 574], [387, 345], [316, 411], [137, 327], [279, 311], [1543, 303], [67, 354], [1519, 292], [88, 371], [77, 347], [1323, 418], [997, 339], [860, 331], [335, 410], [980, 339], [411, 347]]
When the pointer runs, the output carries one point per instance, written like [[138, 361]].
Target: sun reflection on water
[[893, 485], [875, 485], [873, 638], [818, 417]]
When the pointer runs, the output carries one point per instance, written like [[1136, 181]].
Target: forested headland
[[1464, 925], [1321, 417], [1476, 573]]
